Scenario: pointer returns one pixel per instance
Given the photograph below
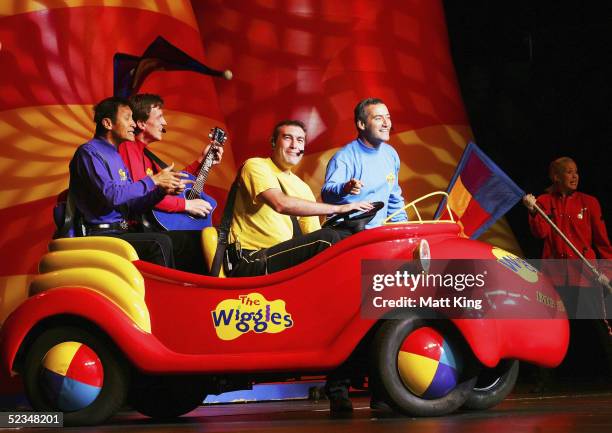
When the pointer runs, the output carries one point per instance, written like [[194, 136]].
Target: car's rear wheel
[[166, 397], [76, 372], [493, 385], [421, 368]]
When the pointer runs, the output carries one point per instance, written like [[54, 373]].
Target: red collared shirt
[[141, 166], [579, 217]]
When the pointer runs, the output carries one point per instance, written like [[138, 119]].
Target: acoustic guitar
[[183, 220]]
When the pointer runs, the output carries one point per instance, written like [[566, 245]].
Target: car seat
[[209, 246]]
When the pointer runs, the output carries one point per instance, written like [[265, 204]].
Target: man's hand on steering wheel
[[354, 216], [362, 206]]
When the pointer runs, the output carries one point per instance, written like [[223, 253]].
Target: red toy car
[[101, 327]]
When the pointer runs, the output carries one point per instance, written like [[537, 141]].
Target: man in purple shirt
[[104, 193]]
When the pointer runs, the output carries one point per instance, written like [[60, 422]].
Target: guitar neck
[[200, 181]]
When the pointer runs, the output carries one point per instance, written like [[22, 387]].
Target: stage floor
[[559, 412]]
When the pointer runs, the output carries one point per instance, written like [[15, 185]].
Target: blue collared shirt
[[102, 186], [378, 168]]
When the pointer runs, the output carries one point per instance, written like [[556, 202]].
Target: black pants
[[150, 247], [586, 302], [187, 248], [178, 249], [286, 254]]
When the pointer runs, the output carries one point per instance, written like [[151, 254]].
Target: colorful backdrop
[[304, 59]]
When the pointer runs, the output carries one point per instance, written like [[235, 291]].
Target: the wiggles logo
[[516, 264], [235, 317]]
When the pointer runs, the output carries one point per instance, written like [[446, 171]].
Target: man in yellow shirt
[[275, 223]]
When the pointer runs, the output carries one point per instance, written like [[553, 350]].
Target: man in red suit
[[148, 114], [150, 122], [579, 217]]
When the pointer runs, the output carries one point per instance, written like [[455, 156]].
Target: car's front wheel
[[74, 371], [419, 367]]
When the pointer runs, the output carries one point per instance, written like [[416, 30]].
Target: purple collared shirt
[[102, 187]]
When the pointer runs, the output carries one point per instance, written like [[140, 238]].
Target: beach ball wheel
[[421, 368], [71, 376], [70, 370]]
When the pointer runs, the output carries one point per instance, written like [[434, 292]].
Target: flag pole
[[571, 245]]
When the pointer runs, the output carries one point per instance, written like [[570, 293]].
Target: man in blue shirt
[[104, 193], [367, 168]]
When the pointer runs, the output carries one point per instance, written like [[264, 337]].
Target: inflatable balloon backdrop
[[304, 59]]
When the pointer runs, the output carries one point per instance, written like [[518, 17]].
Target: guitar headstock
[[217, 136]]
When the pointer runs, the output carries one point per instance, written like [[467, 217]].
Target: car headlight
[[422, 255]]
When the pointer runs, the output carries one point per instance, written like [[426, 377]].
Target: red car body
[[323, 296], [315, 309]]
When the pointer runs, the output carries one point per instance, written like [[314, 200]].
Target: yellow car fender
[[106, 283], [68, 259], [105, 243]]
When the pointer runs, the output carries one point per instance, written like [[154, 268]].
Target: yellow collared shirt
[[255, 224]]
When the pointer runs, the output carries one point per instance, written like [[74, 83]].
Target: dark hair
[[282, 123], [142, 104], [360, 109], [108, 108]]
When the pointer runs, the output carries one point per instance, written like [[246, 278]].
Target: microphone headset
[[273, 142]]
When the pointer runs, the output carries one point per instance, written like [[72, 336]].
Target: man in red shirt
[[150, 122], [150, 126], [579, 217]]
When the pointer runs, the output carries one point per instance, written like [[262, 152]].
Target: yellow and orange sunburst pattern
[[57, 61], [303, 59]]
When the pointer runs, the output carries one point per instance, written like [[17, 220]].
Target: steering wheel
[[354, 220]]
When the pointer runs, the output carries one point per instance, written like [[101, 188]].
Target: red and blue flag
[[479, 193]]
